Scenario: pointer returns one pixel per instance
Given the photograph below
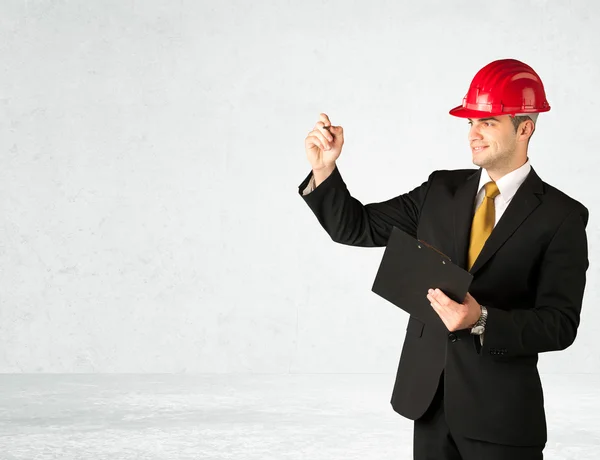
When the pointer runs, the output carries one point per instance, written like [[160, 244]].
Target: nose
[[474, 133]]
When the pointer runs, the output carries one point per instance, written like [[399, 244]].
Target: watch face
[[477, 330]]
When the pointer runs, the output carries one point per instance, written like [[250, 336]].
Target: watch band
[[479, 327]]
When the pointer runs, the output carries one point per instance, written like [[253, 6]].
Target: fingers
[[439, 309], [324, 119], [330, 132], [433, 302], [325, 130], [317, 139], [437, 296], [445, 314], [453, 314], [325, 139], [313, 140], [324, 135], [321, 132]]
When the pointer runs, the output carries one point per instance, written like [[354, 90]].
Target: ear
[[525, 130]]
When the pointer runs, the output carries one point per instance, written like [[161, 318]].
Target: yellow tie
[[483, 222]]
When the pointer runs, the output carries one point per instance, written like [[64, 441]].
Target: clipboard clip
[[435, 249]]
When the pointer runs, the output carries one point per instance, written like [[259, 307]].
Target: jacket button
[[452, 337]]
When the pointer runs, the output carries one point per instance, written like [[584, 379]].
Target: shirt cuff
[[310, 187]]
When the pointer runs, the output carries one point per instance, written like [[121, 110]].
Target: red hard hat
[[503, 87]]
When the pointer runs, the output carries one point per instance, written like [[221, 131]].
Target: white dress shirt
[[508, 186]]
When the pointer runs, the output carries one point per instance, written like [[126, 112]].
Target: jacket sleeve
[[349, 222], [553, 321]]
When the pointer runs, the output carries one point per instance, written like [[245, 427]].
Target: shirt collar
[[509, 183]]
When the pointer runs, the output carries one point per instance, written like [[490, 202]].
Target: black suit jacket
[[530, 275]]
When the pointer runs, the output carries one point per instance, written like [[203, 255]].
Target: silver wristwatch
[[479, 327]]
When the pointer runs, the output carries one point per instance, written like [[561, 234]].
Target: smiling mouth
[[478, 149]]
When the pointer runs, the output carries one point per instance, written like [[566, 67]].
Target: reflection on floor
[[246, 417]]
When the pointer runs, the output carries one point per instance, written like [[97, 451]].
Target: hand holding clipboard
[[409, 268]]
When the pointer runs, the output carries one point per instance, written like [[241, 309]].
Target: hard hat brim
[[463, 112]]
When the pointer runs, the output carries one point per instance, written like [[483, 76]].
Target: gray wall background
[[151, 153]]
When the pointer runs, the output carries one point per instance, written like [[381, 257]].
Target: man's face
[[493, 142]]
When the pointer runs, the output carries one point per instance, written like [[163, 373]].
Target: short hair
[[520, 118]]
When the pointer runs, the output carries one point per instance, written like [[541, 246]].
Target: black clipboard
[[409, 268]]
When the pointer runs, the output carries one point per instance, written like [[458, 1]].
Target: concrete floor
[[244, 417]]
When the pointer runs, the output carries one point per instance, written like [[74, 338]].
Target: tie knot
[[491, 190]]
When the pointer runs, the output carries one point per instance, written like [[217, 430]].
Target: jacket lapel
[[464, 201], [522, 204]]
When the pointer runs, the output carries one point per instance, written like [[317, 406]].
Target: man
[[471, 382]]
